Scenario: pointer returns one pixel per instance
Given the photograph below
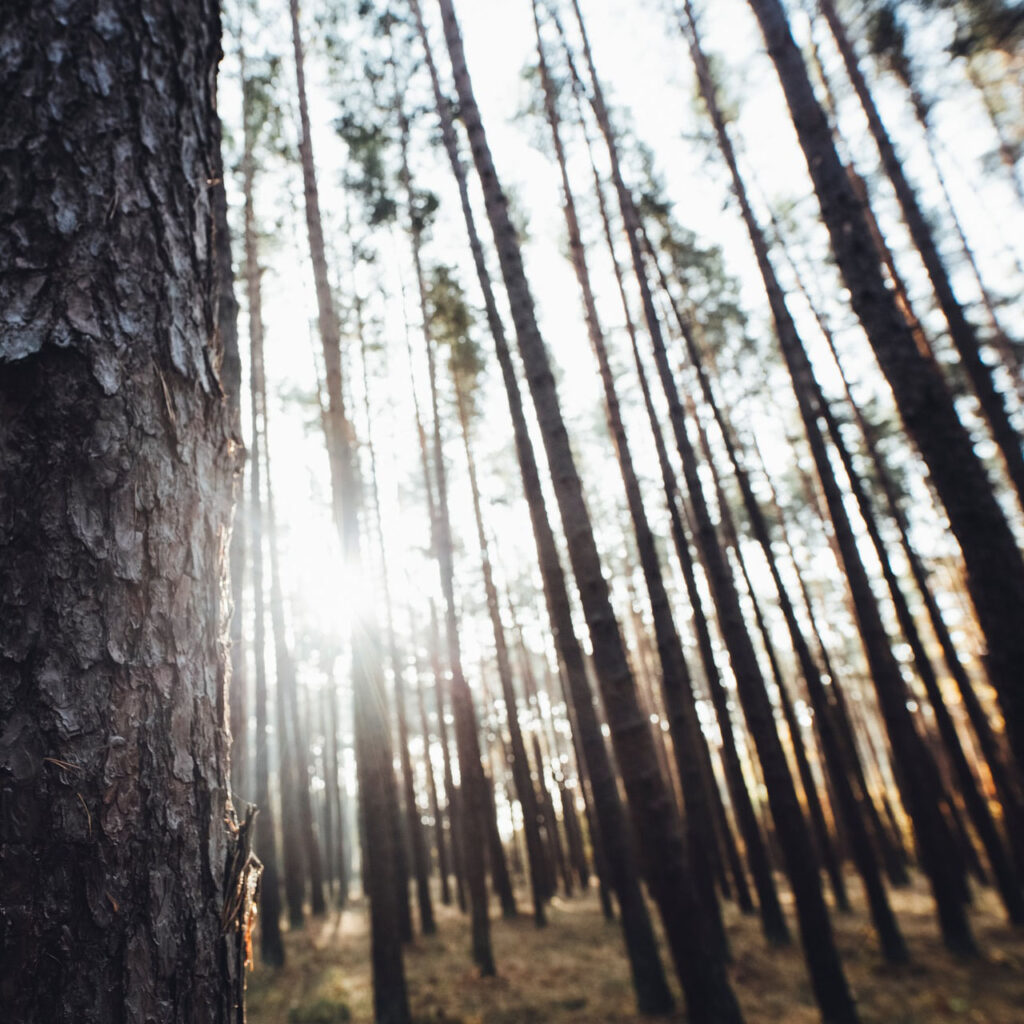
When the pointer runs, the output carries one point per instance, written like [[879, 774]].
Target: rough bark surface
[[115, 848]]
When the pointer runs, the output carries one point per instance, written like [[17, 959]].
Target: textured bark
[[122, 897], [374, 762], [653, 995], [702, 973], [994, 564]]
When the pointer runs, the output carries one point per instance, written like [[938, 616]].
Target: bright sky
[[647, 74]]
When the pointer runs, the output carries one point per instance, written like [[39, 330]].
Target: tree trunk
[[919, 779], [525, 792], [374, 761], [709, 995], [677, 687], [653, 995], [961, 331], [473, 784], [995, 567], [772, 918], [121, 859], [271, 943]]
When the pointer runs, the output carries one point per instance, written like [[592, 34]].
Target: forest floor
[[574, 970]]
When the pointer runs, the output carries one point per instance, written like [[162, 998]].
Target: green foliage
[[367, 147], [451, 320], [264, 120]]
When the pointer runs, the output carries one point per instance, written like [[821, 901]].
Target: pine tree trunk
[[435, 807], [919, 779], [961, 331], [995, 566], [117, 832], [771, 909], [709, 995], [823, 961], [677, 687], [374, 762], [525, 792], [653, 995], [271, 943], [473, 784]]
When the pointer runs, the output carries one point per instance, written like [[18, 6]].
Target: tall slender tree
[[994, 564], [701, 971], [653, 995], [373, 737]]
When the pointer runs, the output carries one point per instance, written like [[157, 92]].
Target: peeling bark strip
[[116, 461]]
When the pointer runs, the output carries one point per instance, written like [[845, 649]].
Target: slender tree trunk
[[302, 858], [271, 944], [373, 740], [413, 824], [451, 794], [435, 808], [919, 778], [826, 970], [677, 687], [525, 792], [825, 846], [995, 567], [709, 995], [473, 784], [774, 922], [838, 765], [961, 331], [653, 995]]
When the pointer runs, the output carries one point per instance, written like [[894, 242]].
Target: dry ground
[[574, 971]]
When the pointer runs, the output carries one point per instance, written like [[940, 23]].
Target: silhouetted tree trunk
[[961, 331], [474, 809], [995, 567], [525, 792], [652, 991], [831, 989], [771, 909], [918, 775], [677, 688], [271, 944], [374, 762], [702, 972]]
